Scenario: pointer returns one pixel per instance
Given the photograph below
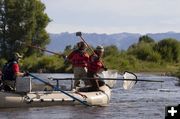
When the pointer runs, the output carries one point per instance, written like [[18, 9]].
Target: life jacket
[[95, 64], [79, 58], [7, 71]]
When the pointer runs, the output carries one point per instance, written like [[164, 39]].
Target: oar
[[57, 88], [45, 50], [36, 47]]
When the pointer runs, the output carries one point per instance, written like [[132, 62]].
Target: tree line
[[144, 56]]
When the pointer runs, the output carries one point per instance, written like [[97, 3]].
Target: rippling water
[[145, 101]]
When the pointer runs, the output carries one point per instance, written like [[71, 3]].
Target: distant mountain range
[[121, 40]]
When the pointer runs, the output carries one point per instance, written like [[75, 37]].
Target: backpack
[[7, 71]]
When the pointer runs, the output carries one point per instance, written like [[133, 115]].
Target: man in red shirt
[[79, 59], [96, 66], [10, 72]]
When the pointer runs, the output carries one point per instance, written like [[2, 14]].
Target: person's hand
[[95, 58], [26, 73]]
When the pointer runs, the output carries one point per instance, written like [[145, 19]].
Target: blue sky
[[113, 16]]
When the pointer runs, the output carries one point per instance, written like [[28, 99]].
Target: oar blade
[[128, 84]]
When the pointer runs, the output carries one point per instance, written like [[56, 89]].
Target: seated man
[[10, 72]]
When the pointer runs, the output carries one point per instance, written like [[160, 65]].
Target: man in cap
[[96, 66], [11, 71], [79, 59]]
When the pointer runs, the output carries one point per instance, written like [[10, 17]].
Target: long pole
[[106, 79], [45, 50], [80, 35], [82, 102], [36, 47]]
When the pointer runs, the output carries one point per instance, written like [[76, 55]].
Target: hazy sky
[[113, 16]]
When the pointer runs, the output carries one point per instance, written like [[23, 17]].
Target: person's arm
[[101, 67], [16, 70], [70, 57], [104, 67]]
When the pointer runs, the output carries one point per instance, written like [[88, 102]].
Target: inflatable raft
[[25, 97]]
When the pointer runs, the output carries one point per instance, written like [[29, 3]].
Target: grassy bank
[[55, 64]]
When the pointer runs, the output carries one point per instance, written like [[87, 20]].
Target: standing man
[[10, 72], [79, 59], [96, 66]]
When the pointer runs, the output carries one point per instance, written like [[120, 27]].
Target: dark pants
[[9, 85], [94, 82]]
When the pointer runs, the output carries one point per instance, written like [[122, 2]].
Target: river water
[[146, 100]]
